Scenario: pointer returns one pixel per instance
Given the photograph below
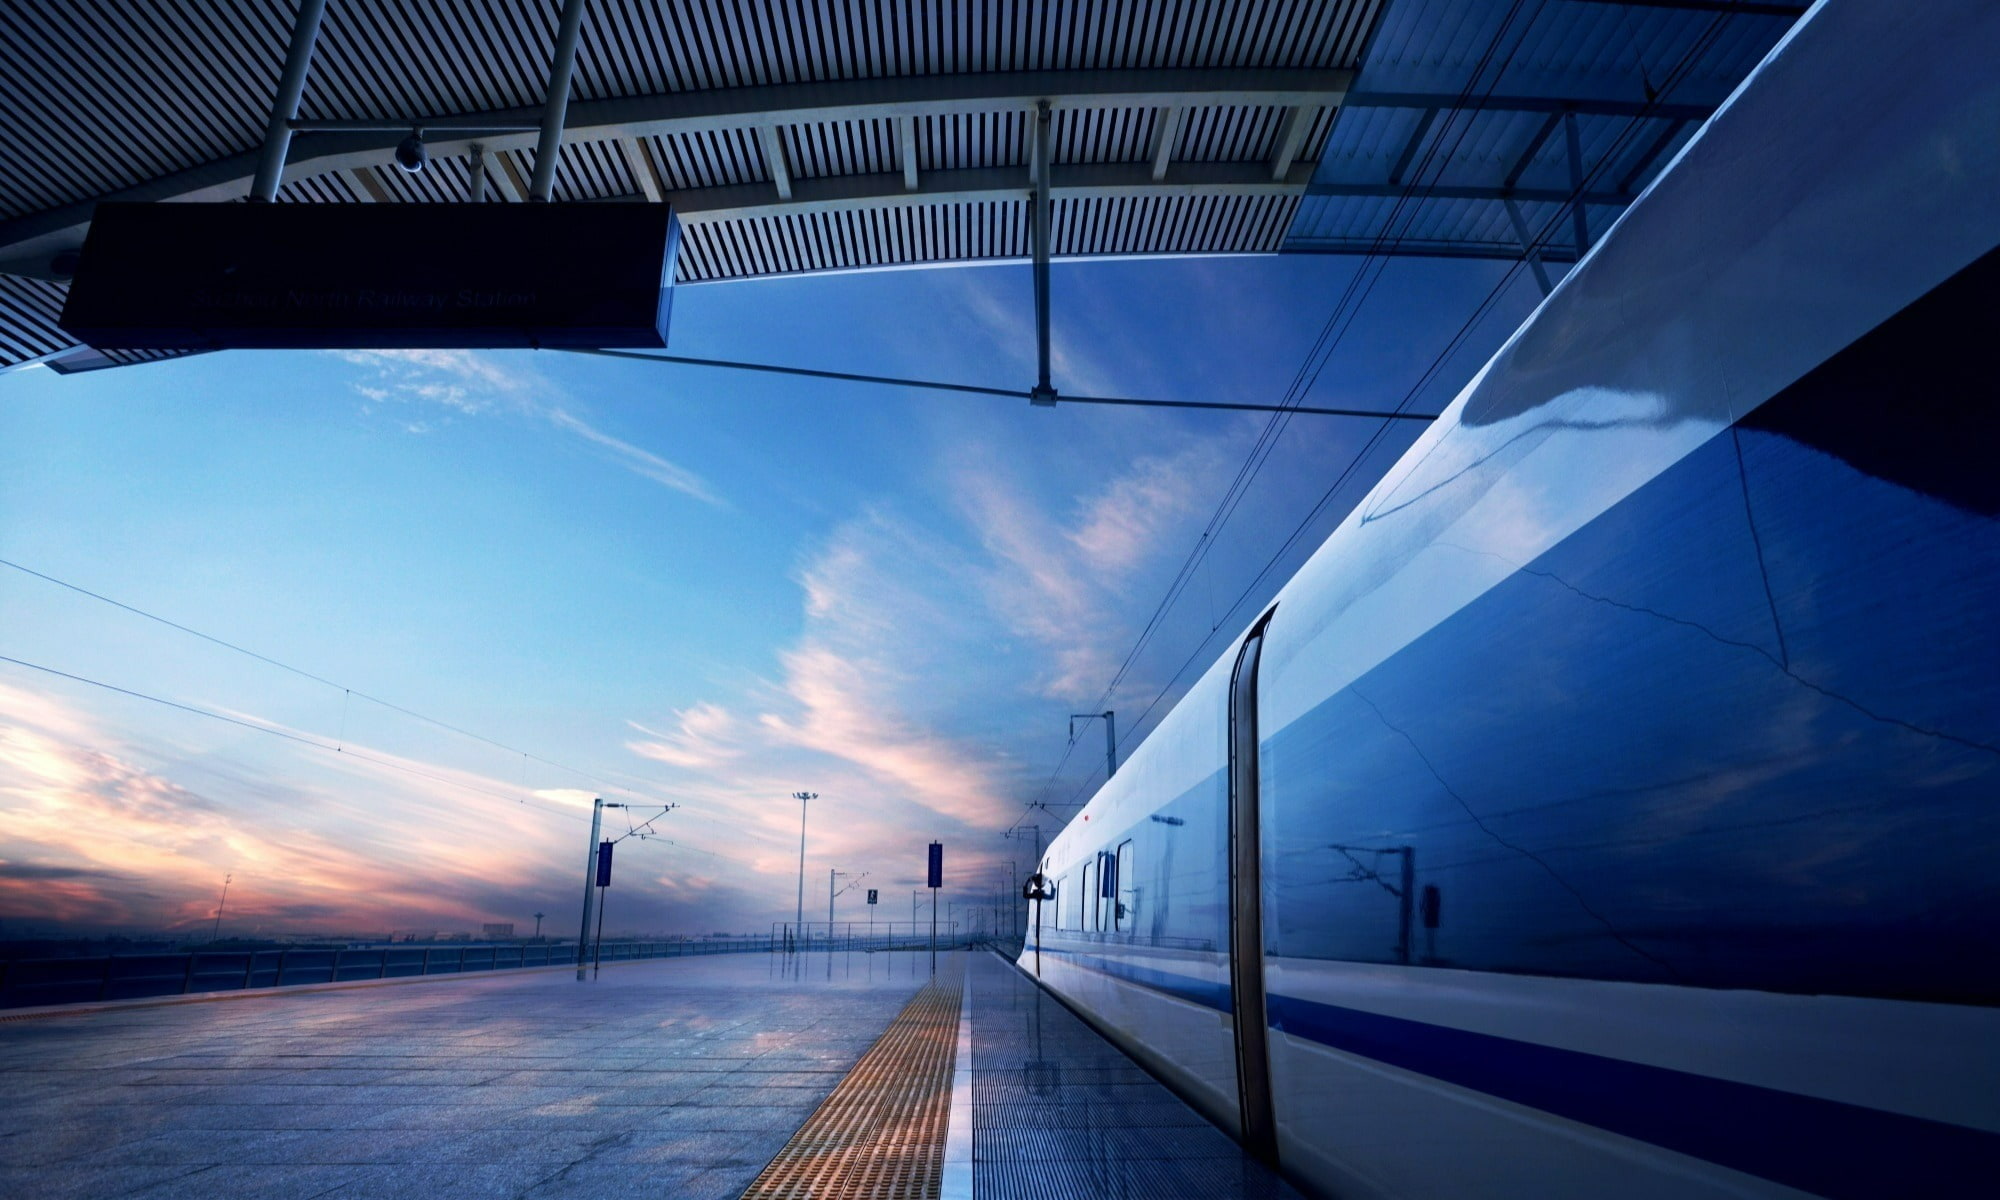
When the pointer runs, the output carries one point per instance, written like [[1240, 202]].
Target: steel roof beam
[[886, 189], [1748, 8], [1372, 247], [1532, 104], [27, 243], [1291, 135], [1392, 191]]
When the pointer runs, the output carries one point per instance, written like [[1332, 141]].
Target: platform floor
[[673, 1078]]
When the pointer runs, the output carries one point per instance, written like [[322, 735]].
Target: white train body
[[1615, 804]]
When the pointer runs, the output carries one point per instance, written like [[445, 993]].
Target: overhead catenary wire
[[1331, 334], [979, 390], [346, 692], [276, 731], [1673, 77]]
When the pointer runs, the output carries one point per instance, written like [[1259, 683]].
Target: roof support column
[[556, 106], [1577, 217], [291, 85], [475, 183], [1528, 250], [1043, 394]]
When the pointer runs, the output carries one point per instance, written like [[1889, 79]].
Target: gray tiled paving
[[1059, 1112], [671, 1078]]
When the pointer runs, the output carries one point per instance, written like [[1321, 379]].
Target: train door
[[1088, 923], [1246, 918], [1121, 876]]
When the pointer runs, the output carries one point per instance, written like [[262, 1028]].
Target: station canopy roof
[[815, 135]]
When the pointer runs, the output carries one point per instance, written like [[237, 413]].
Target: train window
[[1121, 879]]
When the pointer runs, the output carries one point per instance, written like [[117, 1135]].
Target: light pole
[[799, 920], [218, 906], [589, 884], [538, 926]]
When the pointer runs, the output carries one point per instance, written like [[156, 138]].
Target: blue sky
[[700, 586]]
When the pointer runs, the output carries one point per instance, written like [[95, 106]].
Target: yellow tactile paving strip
[[880, 1135]]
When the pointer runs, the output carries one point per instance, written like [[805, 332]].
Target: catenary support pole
[[1044, 393], [589, 884], [1110, 743], [291, 85], [799, 918], [548, 146]]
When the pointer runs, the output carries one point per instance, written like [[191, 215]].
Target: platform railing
[[26, 982], [859, 936]]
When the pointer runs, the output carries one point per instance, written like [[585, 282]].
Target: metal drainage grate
[[880, 1135]]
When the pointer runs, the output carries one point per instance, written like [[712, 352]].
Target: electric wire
[[1331, 334], [275, 731], [1698, 46], [319, 679], [974, 389]]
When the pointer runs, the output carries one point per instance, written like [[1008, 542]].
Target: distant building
[[498, 929]]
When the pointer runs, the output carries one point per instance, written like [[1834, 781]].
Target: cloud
[[922, 642], [1065, 580], [468, 384], [643, 463], [703, 740], [91, 834]]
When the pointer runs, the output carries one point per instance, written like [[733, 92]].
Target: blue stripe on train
[[1821, 1146], [1181, 987]]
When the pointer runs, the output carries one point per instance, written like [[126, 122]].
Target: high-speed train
[[1611, 806]]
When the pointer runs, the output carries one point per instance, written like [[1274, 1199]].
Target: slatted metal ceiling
[[109, 94]]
